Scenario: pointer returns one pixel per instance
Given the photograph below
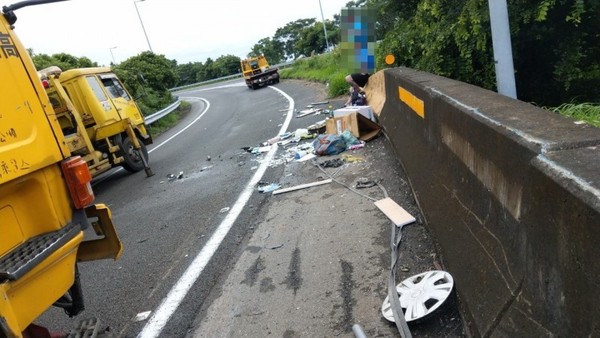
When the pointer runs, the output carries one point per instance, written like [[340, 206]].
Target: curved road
[[165, 224]]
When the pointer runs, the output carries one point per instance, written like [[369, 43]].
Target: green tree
[[272, 49], [556, 45], [206, 72], [187, 72], [289, 35], [226, 65], [148, 77], [62, 60]]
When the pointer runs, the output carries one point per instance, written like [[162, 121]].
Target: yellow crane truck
[[258, 73], [48, 220], [99, 118]]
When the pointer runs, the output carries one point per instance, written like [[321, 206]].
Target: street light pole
[[111, 54], [501, 43], [141, 22], [324, 28]]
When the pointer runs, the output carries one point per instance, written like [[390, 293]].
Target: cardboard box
[[360, 126], [365, 111]]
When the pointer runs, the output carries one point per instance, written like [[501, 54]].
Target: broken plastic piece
[[302, 186], [395, 212], [352, 159], [269, 188]]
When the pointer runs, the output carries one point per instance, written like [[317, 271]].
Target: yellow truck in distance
[[258, 73], [99, 118], [48, 222]]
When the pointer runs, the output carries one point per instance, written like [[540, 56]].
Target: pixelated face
[[358, 39]]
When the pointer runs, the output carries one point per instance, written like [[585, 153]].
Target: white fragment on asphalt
[[142, 316], [224, 210]]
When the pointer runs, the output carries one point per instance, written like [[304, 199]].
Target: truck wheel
[[254, 86], [132, 158]]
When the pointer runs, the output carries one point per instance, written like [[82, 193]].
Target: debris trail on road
[[176, 295]]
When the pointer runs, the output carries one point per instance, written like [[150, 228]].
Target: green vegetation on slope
[[588, 112], [324, 68], [170, 120]]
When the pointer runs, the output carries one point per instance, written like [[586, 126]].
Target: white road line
[[186, 127], [174, 298]]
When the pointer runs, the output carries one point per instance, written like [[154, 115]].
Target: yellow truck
[[258, 73], [99, 118], [48, 220]]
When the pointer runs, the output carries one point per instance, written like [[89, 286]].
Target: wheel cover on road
[[420, 295]]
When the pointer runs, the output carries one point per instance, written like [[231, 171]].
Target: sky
[[184, 30]]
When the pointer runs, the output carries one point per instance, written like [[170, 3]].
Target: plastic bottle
[[300, 154]]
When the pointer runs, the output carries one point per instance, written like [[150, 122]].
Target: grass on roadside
[[587, 112], [324, 68], [170, 120]]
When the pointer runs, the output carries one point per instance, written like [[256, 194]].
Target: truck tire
[[132, 161], [254, 86]]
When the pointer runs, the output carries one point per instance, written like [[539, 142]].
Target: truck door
[[120, 98], [27, 142]]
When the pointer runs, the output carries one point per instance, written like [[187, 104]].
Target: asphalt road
[[173, 281], [164, 223]]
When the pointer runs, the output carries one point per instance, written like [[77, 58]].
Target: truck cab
[[48, 220], [258, 73], [100, 119]]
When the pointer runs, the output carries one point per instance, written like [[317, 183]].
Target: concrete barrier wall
[[511, 193]]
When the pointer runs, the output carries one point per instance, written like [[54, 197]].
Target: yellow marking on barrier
[[416, 104]]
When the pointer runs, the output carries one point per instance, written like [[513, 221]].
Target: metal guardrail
[[162, 113]]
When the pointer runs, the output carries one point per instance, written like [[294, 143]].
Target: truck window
[[91, 80], [114, 88]]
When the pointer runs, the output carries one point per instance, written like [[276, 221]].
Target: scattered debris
[[333, 163], [206, 168], [365, 183], [180, 175], [224, 210], [276, 247], [302, 186], [307, 112], [395, 212], [306, 158], [171, 177], [352, 159], [269, 188], [258, 150], [142, 316], [318, 103], [356, 146], [208, 157]]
